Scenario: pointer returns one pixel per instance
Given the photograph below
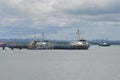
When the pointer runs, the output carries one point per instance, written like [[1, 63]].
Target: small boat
[[104, 43]]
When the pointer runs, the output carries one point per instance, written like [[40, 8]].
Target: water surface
[[97, 63]]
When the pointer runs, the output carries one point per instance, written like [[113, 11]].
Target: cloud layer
[[24, 17]]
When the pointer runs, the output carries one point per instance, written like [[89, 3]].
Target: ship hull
[[70, 47], [106, 45], [62, 47]]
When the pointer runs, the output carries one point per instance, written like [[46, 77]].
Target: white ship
[[78, 44], [40, 44]]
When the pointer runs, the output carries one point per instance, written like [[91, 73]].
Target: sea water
[[96, 63]]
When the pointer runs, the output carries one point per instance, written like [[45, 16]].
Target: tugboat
[[78, 44]]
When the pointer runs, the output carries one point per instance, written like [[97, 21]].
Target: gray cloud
[[58, 14]]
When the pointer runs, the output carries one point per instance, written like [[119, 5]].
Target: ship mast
[[42, 36], [78, 34], [35, 37]]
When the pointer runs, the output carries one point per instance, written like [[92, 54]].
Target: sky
[[60, 19]]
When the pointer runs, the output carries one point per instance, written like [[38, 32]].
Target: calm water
[[97, 63]]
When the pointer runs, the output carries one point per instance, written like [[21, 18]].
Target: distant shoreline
[[26, 41]]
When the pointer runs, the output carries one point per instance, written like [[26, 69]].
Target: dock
[[14, 46]]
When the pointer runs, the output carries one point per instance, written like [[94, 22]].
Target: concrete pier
[[14, 47]]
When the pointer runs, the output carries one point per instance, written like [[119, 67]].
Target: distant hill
[[25, 41], [14, 40], [96, 42]]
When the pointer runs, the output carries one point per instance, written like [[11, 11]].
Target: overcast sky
[[60, 19]]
